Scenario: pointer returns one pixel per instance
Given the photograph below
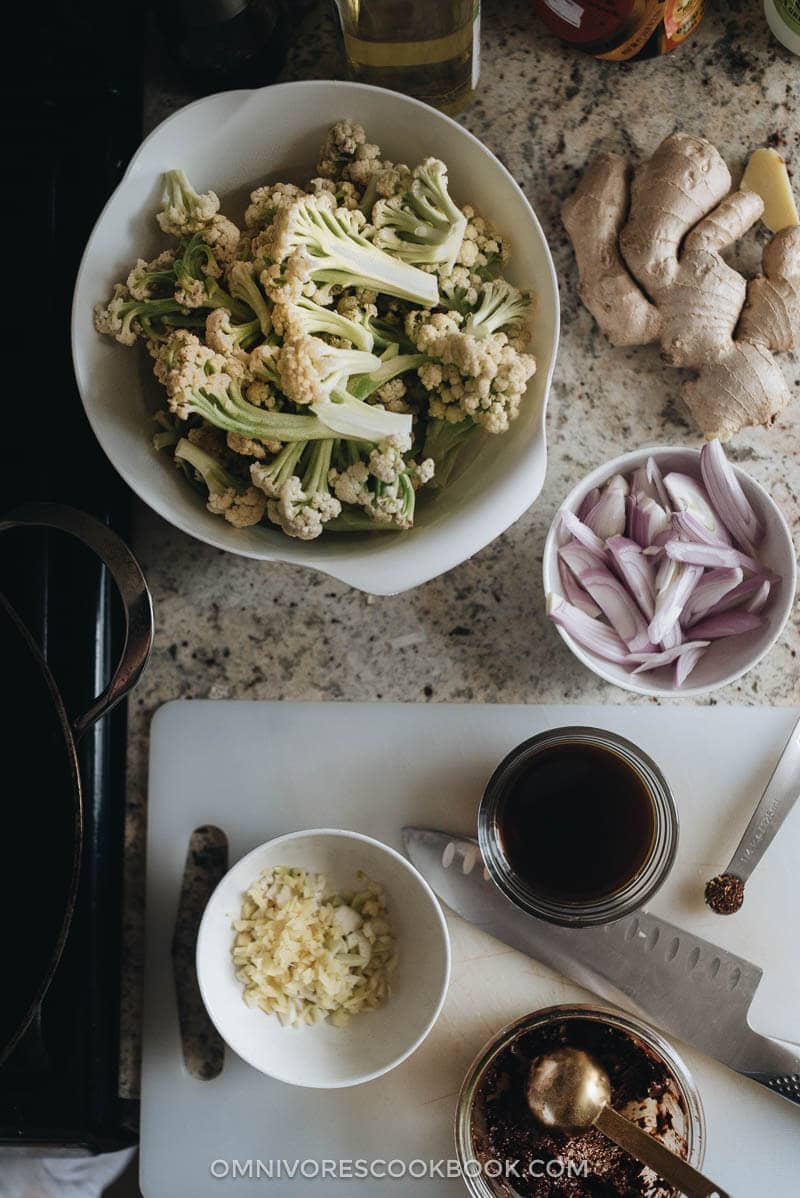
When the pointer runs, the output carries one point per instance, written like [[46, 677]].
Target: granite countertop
[[233, 628]]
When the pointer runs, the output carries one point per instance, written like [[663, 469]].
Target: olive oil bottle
[[427, 48]]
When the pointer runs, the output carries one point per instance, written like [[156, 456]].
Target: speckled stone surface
[[233, 628]]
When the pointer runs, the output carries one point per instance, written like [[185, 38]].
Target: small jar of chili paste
[[621, 30]]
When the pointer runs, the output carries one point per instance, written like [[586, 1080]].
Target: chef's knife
[[687, 986]]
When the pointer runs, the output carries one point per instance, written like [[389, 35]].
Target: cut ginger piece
[[767, 176]]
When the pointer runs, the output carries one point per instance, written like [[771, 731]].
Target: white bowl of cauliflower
[[317, 323]]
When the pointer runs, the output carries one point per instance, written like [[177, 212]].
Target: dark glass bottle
[[223, 44]]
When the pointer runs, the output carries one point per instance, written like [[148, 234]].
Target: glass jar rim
[[649, 1035], [638, 890]]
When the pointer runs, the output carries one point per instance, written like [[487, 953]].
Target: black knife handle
[[787, 1084]]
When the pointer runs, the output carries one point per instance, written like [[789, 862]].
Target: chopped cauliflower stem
[[337, 352]]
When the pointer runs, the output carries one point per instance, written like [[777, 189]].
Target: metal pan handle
[[130, 581]]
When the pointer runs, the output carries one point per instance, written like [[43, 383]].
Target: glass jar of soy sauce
[[578, 826]]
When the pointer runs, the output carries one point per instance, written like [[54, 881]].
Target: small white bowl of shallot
[[669, 571]]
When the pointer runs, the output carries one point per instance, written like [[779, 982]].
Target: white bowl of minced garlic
[[323, 958]]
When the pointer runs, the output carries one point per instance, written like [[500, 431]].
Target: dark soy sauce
[[576, 822]]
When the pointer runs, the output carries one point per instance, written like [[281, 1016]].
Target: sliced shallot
[[714, 556], [690, 528], [759, 600], [742, 595], [673, 638], [609, 594], [607, 517], [645, 520], [671, 599], [574, 592], [656, 479], [686, 663], [643, 487], [589, 500], [712, 588], [636, 571], [729, 500], [654, 661], [689, 498], [594, 635], [731, 623], [657, 567], [581, 532]]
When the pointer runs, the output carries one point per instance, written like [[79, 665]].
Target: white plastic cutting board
[[259, 769]]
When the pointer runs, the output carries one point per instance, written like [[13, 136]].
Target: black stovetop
[[72, 118]]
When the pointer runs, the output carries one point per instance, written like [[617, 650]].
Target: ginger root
[[649, 254]]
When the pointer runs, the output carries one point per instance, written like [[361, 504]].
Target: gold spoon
[[570, 1092]]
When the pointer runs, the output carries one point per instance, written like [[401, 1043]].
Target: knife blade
[[686, 985]]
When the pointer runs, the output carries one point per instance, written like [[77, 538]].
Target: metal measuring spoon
[[569, 1092], [725, 893]]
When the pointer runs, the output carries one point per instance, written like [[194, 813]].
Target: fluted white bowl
[[230, 143]]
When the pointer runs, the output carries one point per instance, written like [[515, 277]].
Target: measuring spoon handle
[[669, 1167], [775, 804]]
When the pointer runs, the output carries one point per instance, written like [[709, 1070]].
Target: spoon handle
[[777, 801], [670, 1167]]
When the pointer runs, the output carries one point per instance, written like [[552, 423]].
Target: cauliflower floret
[[351, 485], [149, 279], [261, 395], [299, 371], [483, 249], [228, 494], [211, 440], [240, 508], [459, 288], [192, 294], [222, 236], [342, 141], [384, 485], [386, 461], [265, 202], [108, 318], [225, 338], [349, 159], [428, 330], [310, 369], [349, 305], [262, 366], [388, 179], [301, 515], [249, 448], [365, 163], [430, 374], [423, 472], [182, 363], [285, 282], [491, 402], [345, 194], [391, 395], [440, 335], [185, 211]]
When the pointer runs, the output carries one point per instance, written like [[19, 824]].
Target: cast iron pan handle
[[127, 574]]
